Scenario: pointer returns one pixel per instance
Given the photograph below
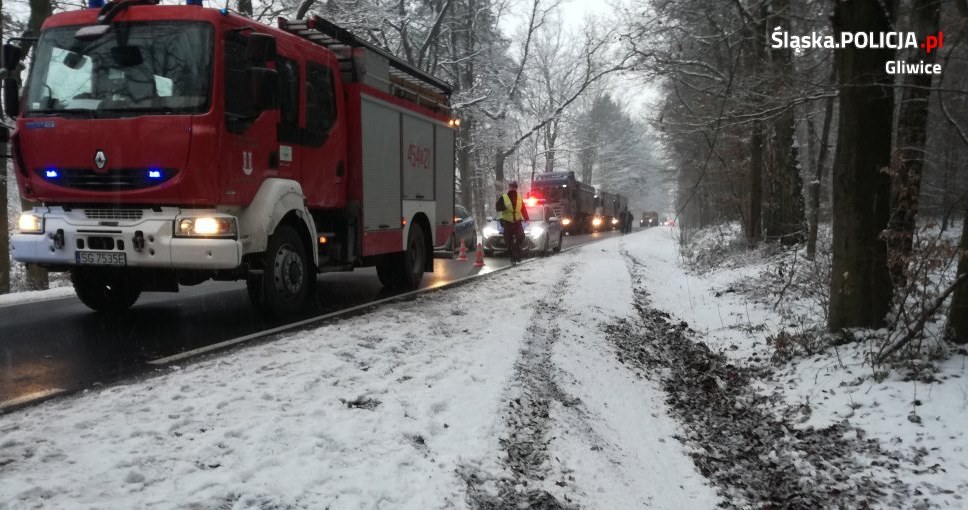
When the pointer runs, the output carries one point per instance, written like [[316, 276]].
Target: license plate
[[96, 258]]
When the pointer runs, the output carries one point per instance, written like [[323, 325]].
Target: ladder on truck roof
[[364, 62]]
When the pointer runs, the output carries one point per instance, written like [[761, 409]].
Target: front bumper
[[496, 243], [112, 231]]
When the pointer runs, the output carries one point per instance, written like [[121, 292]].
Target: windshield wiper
[[86, 112]]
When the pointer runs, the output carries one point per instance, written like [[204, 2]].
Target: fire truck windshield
[[133, 69]]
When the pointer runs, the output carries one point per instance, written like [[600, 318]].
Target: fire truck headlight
[[566, 221], [206, 226], [597, 222], [30, 223]]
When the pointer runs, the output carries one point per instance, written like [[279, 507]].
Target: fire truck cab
[[174, 144]]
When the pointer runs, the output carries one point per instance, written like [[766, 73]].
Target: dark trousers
[[513, 236]]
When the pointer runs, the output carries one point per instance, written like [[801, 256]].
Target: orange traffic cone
[[480, 256], [462, 256]]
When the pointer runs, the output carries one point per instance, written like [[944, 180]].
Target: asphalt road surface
[[60, 345]]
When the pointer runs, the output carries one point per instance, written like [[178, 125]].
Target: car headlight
[[489, 232], [30, 223], [206, 226], [566, 221], [535, 232], [614, 221], [597, 222]]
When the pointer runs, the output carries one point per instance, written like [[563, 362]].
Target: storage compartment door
[[444, 156], [418, 159], [382, 208]]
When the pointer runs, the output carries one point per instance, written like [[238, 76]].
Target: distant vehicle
[[543, 234], [649, 219], [465, 229], [573, 201], [608, 208]]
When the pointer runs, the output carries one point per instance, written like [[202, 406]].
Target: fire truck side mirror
[[265, 88], [11, 57], [11, 97], [260, 48]]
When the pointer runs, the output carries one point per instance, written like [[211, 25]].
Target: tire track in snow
[[754, 458], [524, 448]]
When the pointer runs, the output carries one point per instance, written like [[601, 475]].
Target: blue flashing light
[[51, 173], [154, 173], [95, 4], [194, 2]]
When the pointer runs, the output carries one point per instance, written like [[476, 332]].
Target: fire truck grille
[[116, 179], [113, 214]]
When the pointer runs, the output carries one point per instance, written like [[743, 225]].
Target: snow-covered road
[[499, 392]]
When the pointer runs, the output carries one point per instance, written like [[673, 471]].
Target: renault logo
[[100, 159]]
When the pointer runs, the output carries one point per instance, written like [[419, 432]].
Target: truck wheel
[[287, 277], [386, 271], [105, 290], [405, 270]]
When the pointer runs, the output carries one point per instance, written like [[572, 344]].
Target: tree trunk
[[821, 167], [465, 133], [245, 8], [499, 159], [4, 226], [754, 232], [860, 287], [909, 154], [783, 219], [36, 276], [757, 35], [303, 8], [957, 330], [464, 164], [4, 221]]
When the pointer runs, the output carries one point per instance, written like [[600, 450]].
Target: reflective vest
[[512, 213]]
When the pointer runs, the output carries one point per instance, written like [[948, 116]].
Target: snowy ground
[[495, 393], [914, 413], [605, 377]]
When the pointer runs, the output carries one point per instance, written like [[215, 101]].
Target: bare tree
[[36, 276], [908, 161], [860, 289], [4, 221]]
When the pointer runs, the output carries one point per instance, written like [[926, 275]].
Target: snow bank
[[914, 414]]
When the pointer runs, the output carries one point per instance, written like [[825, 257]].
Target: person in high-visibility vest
[[512, 213]]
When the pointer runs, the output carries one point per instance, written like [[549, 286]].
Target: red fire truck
[[169, 145]]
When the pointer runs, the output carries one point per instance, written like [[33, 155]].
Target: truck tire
[[287, 276], [106, 290], [405, 270]]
